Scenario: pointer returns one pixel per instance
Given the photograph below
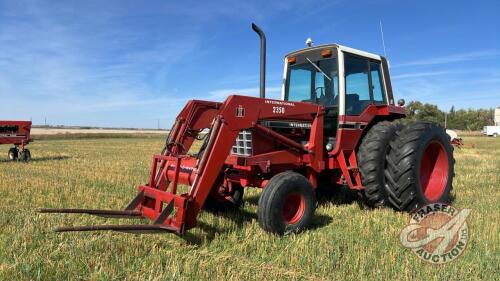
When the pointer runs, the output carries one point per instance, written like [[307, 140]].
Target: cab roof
[[338, 46]]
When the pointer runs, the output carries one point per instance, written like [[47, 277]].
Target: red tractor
[[336, 124], [18, 134]]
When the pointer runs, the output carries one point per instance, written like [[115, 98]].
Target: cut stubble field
[[346, 241]]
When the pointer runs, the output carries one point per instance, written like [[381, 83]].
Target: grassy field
[[345, 242]]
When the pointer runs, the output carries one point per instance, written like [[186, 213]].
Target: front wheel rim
[[293, 208], [434, 169]]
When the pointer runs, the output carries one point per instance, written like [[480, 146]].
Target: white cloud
[[100, 59], [60, 63], [102, 63], [471, 56], [423, 74]]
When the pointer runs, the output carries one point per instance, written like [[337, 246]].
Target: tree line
[[462, 119]]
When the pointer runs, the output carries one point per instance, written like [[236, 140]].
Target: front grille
[[243, 144]]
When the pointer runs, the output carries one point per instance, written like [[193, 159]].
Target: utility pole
[[158, 124], [45, 121], [445, 119]]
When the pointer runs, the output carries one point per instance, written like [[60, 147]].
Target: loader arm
[[158, 199]]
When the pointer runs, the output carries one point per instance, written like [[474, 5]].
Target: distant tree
[[452, 110], [415, 110], [462, 119]]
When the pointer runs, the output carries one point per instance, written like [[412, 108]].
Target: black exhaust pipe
[[262, 59]]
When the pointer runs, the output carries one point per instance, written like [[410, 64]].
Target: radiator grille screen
[[243, 144]]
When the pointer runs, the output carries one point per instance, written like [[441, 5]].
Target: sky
[[134, 63]]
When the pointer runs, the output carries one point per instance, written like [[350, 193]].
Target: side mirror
[[401, 102]]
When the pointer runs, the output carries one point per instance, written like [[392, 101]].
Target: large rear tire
[[371, 156], [287, 204], [420, 167]]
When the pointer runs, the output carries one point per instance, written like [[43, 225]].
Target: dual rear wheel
[[372, 152], [406, 167], [420, 167]]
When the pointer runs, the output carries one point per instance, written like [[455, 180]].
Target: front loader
[[335, 125]]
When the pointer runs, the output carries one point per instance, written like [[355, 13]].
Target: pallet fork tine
[[100, 213], [156, 227], [129, 211], [134, 228]]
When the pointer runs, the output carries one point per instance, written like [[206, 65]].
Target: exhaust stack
[[262, 59]]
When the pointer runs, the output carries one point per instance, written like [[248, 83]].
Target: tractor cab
[[345, 81]]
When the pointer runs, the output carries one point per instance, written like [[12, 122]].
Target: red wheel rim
[[434, 171], [293, 208]]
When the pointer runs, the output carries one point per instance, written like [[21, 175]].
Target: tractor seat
[[326, 100], [352, 105]]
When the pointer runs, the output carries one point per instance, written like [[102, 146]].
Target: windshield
[[313, 81]]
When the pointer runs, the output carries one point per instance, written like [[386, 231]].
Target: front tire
[[420, 167], [25, 155], [13, 154], [287, 204], [221, 199]]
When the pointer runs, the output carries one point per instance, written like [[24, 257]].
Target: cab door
[[363, 84]]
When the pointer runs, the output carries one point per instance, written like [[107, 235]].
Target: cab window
[[363, 84], [377, 86], [313, 81], [299, 87]]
